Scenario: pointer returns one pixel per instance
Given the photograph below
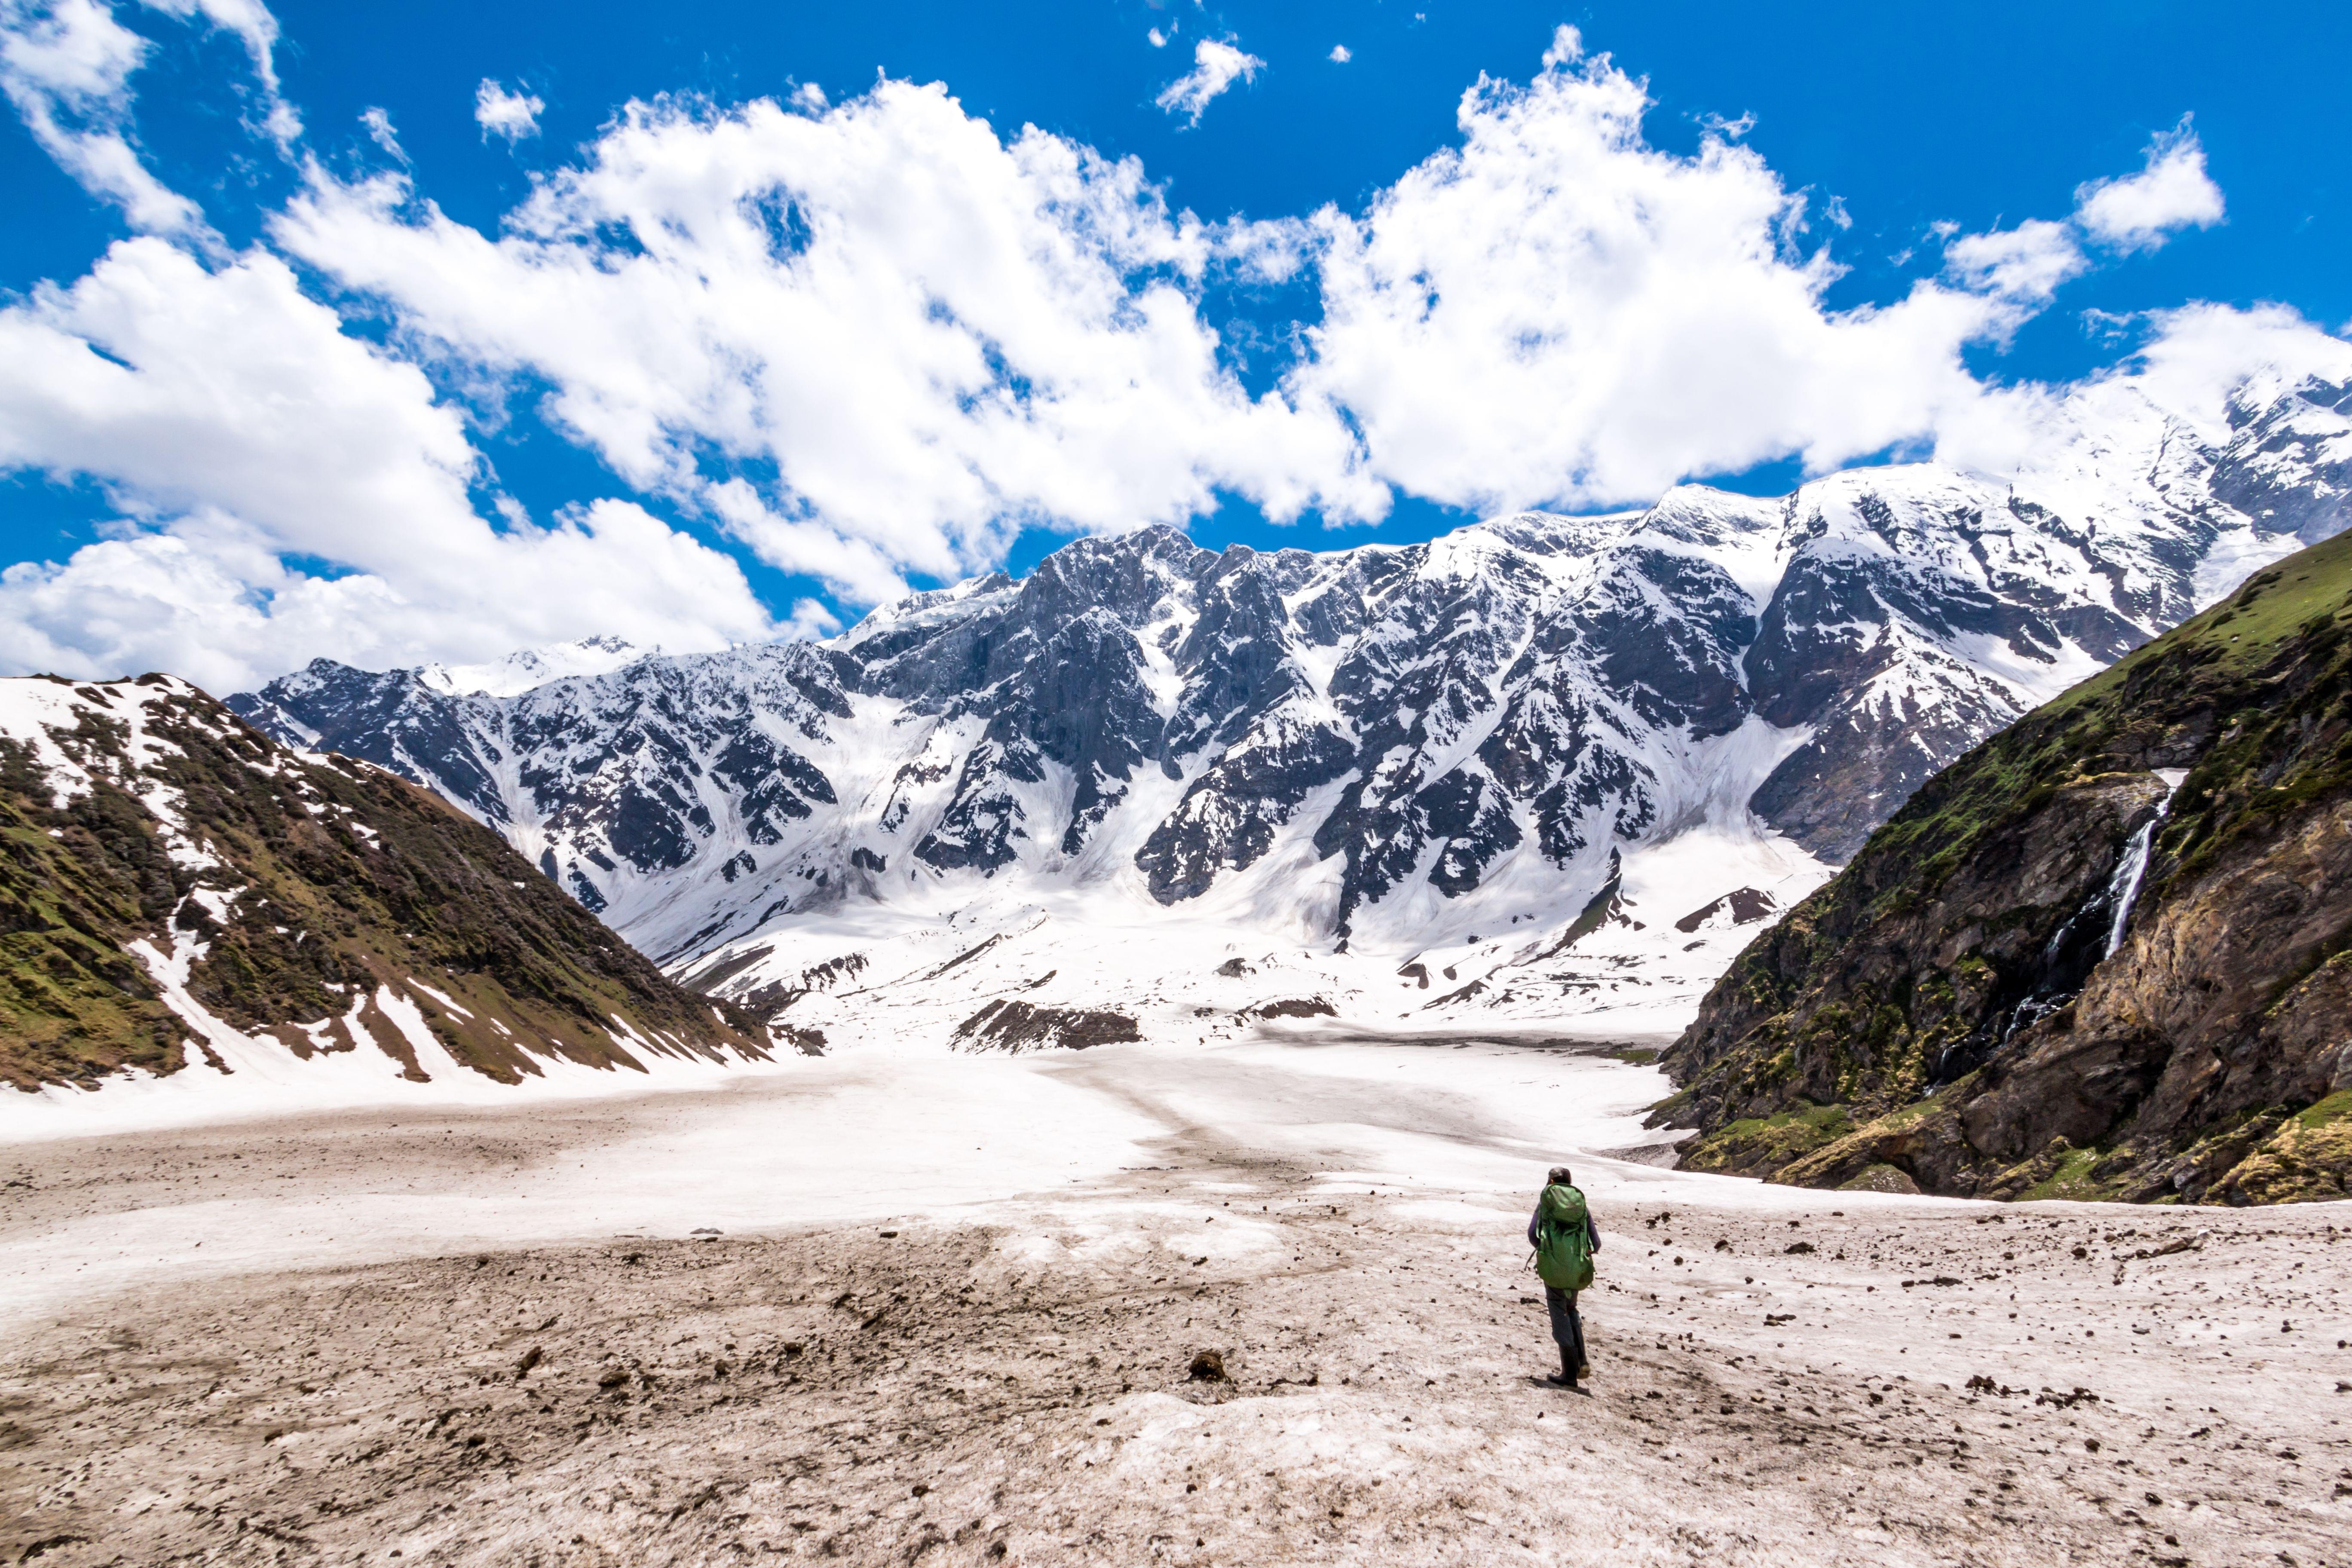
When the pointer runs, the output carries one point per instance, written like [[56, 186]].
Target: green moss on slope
[[74, 885]]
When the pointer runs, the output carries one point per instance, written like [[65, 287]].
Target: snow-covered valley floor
[[951, 1306]]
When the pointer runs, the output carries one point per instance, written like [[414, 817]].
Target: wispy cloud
[[1215, 66], [67, 67], [380, 131], [513, 115], [251, 21]]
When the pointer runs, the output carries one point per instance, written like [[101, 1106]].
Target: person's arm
[[1533, 1220], [1592, 1231]]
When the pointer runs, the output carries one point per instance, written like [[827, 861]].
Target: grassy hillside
[[328, 880], [1883, 1017]]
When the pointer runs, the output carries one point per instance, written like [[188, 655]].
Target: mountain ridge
[[1457, 735], [181, 895]]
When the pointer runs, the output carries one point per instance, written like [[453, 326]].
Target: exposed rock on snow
[[1394, 747], [1739, 907], [1017, 1027]]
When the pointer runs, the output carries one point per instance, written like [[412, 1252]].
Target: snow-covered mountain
[[518, 672], [1534, 746]]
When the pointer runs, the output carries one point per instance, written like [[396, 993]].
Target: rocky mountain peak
[[1393, 745]]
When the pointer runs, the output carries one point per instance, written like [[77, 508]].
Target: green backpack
[[1563, 1248]]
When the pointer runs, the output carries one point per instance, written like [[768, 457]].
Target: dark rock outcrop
[[1018, 1026]]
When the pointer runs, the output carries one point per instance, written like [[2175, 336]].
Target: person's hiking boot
[[1561, 1380], [1584, 1369]]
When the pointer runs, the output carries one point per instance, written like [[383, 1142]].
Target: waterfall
[[2075, 948], [2123, 888]]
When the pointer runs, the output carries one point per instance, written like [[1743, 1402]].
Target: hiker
[[1563, 1235]]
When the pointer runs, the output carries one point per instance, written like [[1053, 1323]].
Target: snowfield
[[892, 1308], [887, 1132]]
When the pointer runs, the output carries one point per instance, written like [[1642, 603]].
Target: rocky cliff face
[[2107, 954], [1397, 747], [174, 885]]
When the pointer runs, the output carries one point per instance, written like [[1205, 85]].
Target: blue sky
[[280, 391]]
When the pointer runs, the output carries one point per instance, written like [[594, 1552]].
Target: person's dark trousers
[[1567, 1328]]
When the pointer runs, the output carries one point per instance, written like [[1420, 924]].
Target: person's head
[[1560, 1178]]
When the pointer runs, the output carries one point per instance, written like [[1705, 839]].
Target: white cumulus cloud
[[2201, 356], [2028, 262], [873, 343], [1215, 66], [2172, 191], [236, 425], [2196, 362], [513, 115], [1341, 54], [1558, 312]]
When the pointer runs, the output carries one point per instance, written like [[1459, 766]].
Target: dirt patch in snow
[[1292, 1007]]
